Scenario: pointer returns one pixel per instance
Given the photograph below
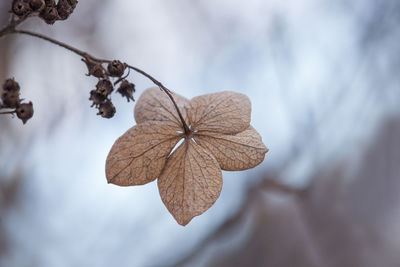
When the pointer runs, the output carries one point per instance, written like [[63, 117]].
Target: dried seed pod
[[20, 8], [50, 3], [25, 111], [73, 3], [95, 69], [96, 98], [64, 9], [107, 109], [104, 87], [126, 89], [49, 15], [11, 85], [116, 68], [37, 5], [10, 99]]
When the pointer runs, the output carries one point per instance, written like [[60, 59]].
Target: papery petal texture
[[224, 112], [139, 155], [155, 105], [236, 152], [190, 183]]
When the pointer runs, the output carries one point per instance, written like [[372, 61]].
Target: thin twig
[[59, 43], [12, 24], [10, 29], [168, 92], [8, 112]]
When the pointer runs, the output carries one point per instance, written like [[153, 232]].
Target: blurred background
[[324, 81]]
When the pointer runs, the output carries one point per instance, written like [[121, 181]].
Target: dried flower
[[11, 85], [64, 9], [104, 87], [96, 70], [190, 178], [126, 89], [50, 3], [20, 8], [116, 68], [37, 5], [10, 99], [106, 109], [49, 15], [96, 98], [25, 111], [73, 3]]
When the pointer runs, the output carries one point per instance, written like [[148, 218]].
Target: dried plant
[[215, 128], [219, 136]]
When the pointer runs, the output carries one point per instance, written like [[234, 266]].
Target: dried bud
[[11, 85], [96, 98], [126, 89], [64, 9], [104, 87], [97, 71], [50, 3], [10, 99], [37, 5], [20, 8], [116, 68], [49, 15], [25, 112], [73, 3], [107, 109]]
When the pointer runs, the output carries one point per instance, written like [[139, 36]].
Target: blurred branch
[[252, 197], [10, 27]]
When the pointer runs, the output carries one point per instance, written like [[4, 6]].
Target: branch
[[11, 25], [167, 91], [10, 29], [53, 41]]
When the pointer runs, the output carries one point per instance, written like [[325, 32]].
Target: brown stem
[[7, 112], [64, 45], [169, 94], [10, 29]]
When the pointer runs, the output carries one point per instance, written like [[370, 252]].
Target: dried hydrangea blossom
[[189, 179]]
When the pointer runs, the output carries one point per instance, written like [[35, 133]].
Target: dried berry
[[96, 98], [25, 111], [20, 8], [104, 87], [116, 68], [64, 9], [107, 109], [37, 5], [10, 99], [49, 15], [11, 85], [126, 89]]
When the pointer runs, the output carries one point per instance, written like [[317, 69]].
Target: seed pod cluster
[[10, 99], [101, 96], [48, 10]]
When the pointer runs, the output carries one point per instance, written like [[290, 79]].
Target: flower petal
[[155, 105], [190, 183], [139, 155], [224, 112], [237, 152]]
